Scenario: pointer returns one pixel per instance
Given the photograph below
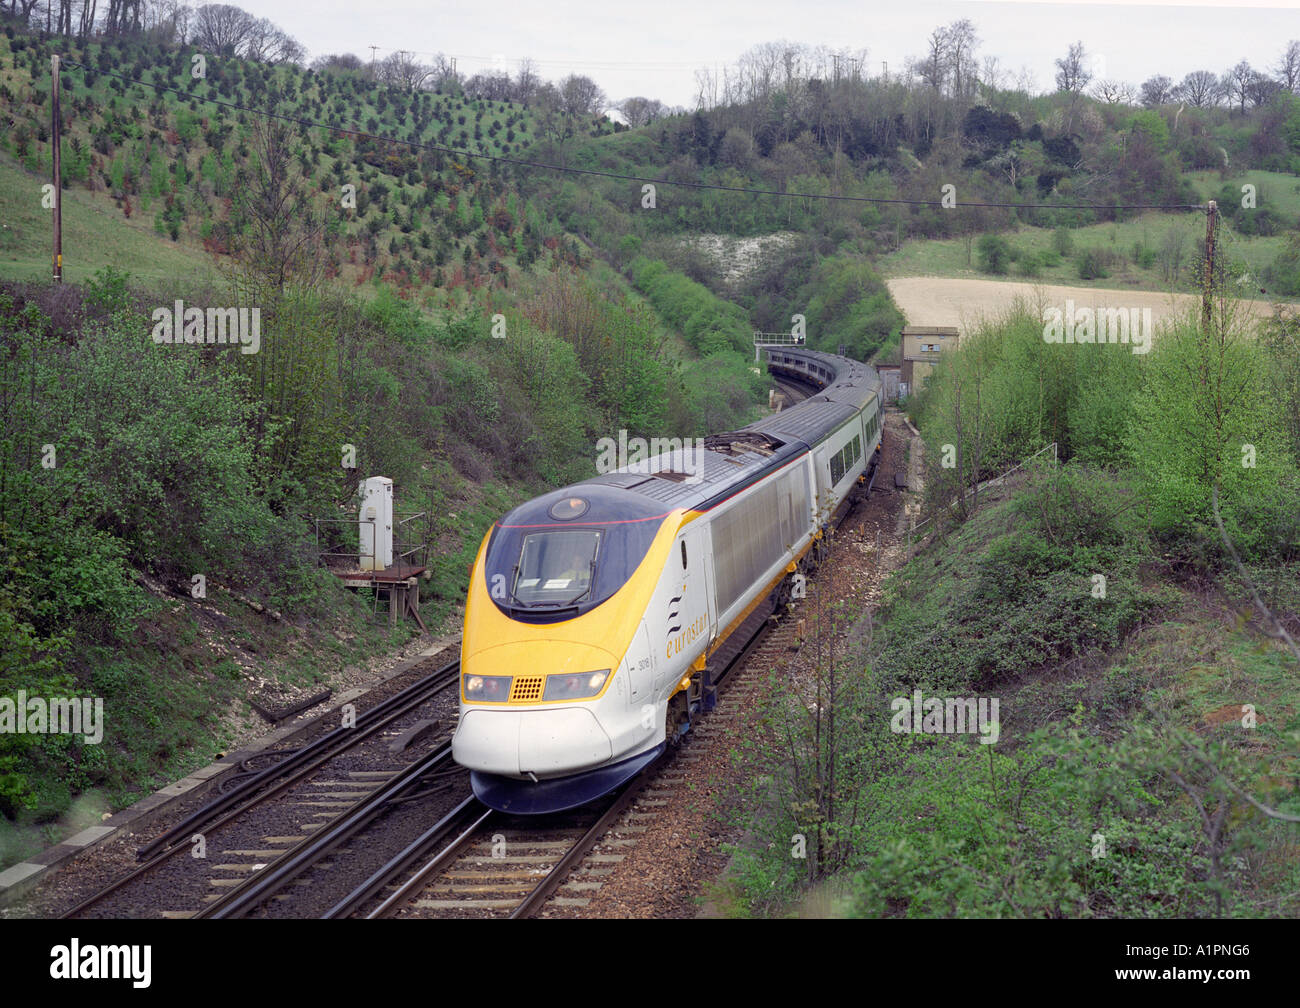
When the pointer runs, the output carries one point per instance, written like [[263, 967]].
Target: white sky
[[654, 49]]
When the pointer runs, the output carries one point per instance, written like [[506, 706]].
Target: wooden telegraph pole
[[58, 173], [1207, 300]]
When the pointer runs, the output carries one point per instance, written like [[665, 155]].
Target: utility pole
[[58, 172], [1207, 301]]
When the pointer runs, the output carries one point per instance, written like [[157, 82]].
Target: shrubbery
[[994, 253], [709, 323]]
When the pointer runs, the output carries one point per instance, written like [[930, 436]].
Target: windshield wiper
[[513, 597], [591, 580]]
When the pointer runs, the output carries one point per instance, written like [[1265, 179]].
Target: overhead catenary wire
[[619, 176]]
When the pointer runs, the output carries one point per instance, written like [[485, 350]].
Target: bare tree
[[582, 96], [166, 21], [1200, 89], [1113, 92], [490, 86], [123, 17], [338, 63], [1263, 90], [222, 29], [706, 89], [1236, 83], [266, 43], [933, 69], [993, 76], [1156, 91], [403, 70], [23, 9], [1072, 73], [641, 111], [443, 75], [527, 81], [86, 25], [1288, 66], [962, 41]]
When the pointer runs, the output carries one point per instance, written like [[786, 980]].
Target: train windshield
[[556, 568], [549, 573]]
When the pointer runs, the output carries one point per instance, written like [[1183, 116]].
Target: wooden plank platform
[[354, 577]]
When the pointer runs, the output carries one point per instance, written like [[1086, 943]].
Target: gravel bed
[[101, 864]]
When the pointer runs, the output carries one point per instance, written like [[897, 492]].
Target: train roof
[[700, 479]]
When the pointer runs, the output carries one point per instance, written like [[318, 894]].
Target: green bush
[[1144, 256], [1029, 264], [1190, 434], [1063, 242], [1092, 263], [1026, 600], [1283, 274], [994, 254], [708, 323]]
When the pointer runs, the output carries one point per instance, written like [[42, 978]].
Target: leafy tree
[[995, 254], [1199, 422]]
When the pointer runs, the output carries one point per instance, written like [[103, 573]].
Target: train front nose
[[530, 731], [516, 743]]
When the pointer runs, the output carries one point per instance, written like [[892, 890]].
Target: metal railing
[[774, 339], [994, 481], [777, 339], [410, 547], [324, 556]]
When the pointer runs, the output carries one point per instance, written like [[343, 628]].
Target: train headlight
[[575, 686], [492, 688]]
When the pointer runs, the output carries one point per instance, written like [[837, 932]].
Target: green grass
[[95, 235], [1277, 190], [948, 256]]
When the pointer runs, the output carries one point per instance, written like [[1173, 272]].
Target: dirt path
[[962, 301]]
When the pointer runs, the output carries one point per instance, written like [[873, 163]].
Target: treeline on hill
[[780, 121], [1110, 782]]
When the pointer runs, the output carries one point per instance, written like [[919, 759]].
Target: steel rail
[[336, 741], [399, 865], [426, 687], [289, 866], [420, 879]]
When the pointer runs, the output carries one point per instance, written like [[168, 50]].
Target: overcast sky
[[654, 49]]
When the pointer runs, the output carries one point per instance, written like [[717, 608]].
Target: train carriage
[[593, 611]]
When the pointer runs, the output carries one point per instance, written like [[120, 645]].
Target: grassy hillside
[[95, 235], [1146, 701], [173, 162], [1088, 805]]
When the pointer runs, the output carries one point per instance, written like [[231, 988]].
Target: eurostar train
[[593, 611]]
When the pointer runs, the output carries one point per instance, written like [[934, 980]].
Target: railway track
[[480, 863], [793, 391], [506, 866], [262, 813], [470, 863], [473, 862]]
